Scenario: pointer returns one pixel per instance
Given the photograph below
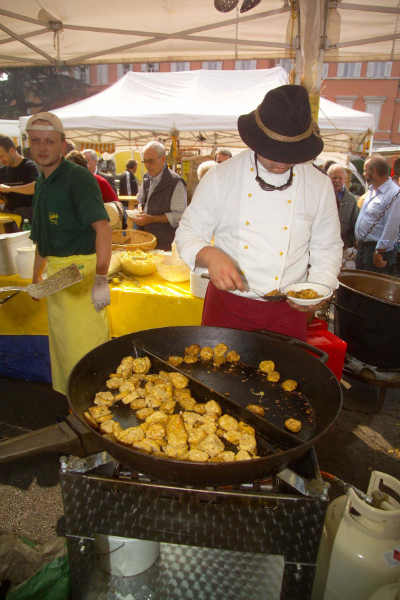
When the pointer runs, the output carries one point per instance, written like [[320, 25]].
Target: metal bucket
[[367, 317]]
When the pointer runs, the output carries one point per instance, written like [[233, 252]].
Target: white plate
[[323, 290]]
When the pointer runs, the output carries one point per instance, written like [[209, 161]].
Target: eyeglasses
[[267, 187]]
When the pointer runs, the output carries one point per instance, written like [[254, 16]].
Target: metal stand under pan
[[379, 378], [254, 540]]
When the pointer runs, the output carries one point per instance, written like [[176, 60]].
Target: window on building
[[81, 72], [183, 65], [349, 70], [373, 104], [245, 64], [286, 63], [102, 74], [123, 68], [211, 64], [150, 67], [346, 100], [325, 69], [380, 69]]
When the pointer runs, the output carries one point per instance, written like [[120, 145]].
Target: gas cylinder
[[360, 545], [387, 592]]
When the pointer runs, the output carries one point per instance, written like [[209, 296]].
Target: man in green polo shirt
[[69, 225]]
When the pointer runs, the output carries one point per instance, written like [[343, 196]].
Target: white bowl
[[173, 270], [324, 291]]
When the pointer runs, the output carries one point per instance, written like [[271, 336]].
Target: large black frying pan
[[317, 404]]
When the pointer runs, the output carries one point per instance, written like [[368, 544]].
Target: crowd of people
[[259, 220]]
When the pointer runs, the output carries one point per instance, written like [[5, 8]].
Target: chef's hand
[[5, 188], [223, 271], [143, 219], [378, 260], [100, 292]]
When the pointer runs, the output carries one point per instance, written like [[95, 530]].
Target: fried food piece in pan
[[143, 413], [145, 445], [233, 437], [246, 428], [114, 382], [232, 356], [168, 406], [293, 425], [242, 455], [156, 431], [175, 360], [225, 456], [128, 398], [104, 399], [289, 385], [179, 381], [196, 435], [248, 442], [90, 419], [213, 408], [219, 353], [141, 365], [99, 412], [197, 455], [228, 423], [191, 419], [212, 445], [157, 417], [187, 403], [110, 426], [130, 435], [209, 423], [256, 409], [206, 353], [273, 376], [179, 452], [266, 366], [137, 403], [176, 432], [199, 408], [190, 359], [125, 367], [193, 350]]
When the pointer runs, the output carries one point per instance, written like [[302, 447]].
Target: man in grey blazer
[[346, 202]]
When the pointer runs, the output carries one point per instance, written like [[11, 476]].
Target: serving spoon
[[266, 297]]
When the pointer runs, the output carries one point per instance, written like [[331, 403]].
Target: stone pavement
[[366, 437]]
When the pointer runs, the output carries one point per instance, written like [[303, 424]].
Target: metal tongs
[[266, 297]]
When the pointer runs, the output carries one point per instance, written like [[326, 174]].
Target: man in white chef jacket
[[265, 219]]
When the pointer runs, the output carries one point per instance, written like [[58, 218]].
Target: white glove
[[100, 292]]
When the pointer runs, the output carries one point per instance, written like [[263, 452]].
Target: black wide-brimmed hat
[[281, 128]]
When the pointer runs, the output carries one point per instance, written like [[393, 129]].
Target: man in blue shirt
[[377, 226]]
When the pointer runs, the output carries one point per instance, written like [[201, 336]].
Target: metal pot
[[367, 316]]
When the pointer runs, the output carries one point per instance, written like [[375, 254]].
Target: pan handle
[[322, 356], [67, 437]]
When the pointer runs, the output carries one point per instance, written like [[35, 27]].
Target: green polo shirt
[[65, 205]]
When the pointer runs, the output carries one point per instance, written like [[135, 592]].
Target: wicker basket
[[133, 239]]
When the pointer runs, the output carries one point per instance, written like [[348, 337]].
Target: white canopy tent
[[56, 32], [10, 127], [202, 106]]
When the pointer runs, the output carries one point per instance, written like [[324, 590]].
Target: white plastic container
[[24, 260], [198, 284], [9, 243], [360, 545], [125, 557]]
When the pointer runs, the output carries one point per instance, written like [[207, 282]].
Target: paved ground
[[366, 437]]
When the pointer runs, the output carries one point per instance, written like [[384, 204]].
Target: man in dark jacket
[[162, 197], [17, 181], [128, 183], [346, 202]]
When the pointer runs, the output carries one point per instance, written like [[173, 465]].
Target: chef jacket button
[[281, 253], [246, 247], [249, 195], [251, 169], [285, 228], [247, 223], [289, 202], [276, 278]]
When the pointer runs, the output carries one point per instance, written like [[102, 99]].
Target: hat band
[[42, 128], [312, 128]]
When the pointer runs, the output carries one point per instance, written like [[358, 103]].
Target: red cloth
[[106, 190], [223, 309]]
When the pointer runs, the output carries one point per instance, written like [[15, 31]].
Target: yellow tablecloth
[[149, 303]]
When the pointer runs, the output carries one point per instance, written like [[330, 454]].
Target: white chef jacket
[[276, 238]]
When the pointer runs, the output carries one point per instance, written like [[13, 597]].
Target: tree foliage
[[33, 89]]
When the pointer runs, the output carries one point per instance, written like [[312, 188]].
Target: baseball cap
[[54, 123]]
